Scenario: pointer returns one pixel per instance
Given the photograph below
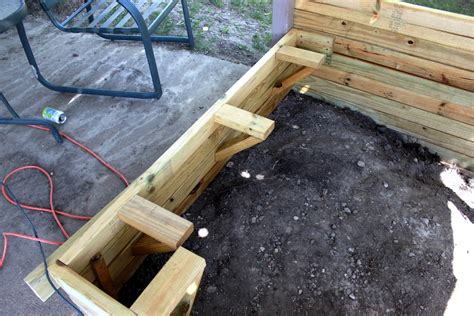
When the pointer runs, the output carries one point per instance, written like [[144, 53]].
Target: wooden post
[[282, 20], [102, 275]]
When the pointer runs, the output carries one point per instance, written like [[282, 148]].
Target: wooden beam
[[243, 121], [90, 299], [292, 80], [179, 277], [146, 245], [102, 274], [156, 222], [300, 56], [237, 147]]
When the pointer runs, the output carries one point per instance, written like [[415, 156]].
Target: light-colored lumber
[[406, 13], [237, 147], [292, 80], [147, 245], [178, 277], [457, 129], [433, 51], [417, 66], [102, 274], [86, 295], [424, 102], [156, 222], [316, 42], [300, 56], [389, 24], [405, 81], [105, 225], [438, 144], [246, 122]]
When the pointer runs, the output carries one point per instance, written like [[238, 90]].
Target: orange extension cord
[[51, 208]]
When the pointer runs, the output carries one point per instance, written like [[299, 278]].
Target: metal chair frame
[[85, 13]]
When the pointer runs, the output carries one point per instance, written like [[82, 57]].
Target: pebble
[[296, 218], [211, 289], [245, 174], [347, 210], [230, 164], [296, 127], [253, 220], [300, 291], [385, 185], [361, 164], [351, 250], [425, 221], [411, 254], [203, 232], [333, 234], [352, 296], [262, 249], [260, 177], [333, 226]]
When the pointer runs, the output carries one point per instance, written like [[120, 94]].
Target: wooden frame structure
[[408, 67]]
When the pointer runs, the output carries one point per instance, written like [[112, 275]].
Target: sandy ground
[[332, 215], [130, 134]]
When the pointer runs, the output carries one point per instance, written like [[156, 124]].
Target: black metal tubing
[[16, 120], [113, 93]]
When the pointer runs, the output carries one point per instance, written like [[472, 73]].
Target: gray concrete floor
[[131, 134]]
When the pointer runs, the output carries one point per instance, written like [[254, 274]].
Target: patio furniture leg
[[189, 39], [17, 120], [93, 91]]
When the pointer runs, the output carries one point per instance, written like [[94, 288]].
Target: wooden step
[[300, 56], [158, 223], [243, 121], [175, 285]]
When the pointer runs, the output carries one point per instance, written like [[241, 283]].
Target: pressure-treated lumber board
[[237, 147], [423, 134], [292, 80], [457, 129], [317, 42], [410, 45], [86, 295], [156, 222], [406, 13], [102, 274], [399, 79], [147, 245], [420, 67], [300, 56], [388, 24], [424, 102], [179, 276], [74, 250], [246, 122]]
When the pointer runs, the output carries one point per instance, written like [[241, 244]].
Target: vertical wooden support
[[102, 274], [282, 18]]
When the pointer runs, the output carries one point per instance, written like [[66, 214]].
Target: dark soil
[[348, 219]]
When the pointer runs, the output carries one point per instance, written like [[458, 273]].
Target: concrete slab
[[130, 134]]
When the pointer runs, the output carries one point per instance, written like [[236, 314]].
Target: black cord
[[35, 233]]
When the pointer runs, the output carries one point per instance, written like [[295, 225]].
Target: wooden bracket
[[102, 274], [158, 223], [146, 245], [236, 147], [300, 56], [291, 80], [243, 121]]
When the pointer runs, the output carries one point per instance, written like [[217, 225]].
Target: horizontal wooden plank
[[439, 123], [407, 44], [424, 102], [177, 278], [417, 66], [316, 42], [243, 121], [300, 56], [399, 79], [393, 24], [90, 299], [438, 144], [406, 13], [156, 222]]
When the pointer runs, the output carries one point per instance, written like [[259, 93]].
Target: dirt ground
[[331, 215]]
